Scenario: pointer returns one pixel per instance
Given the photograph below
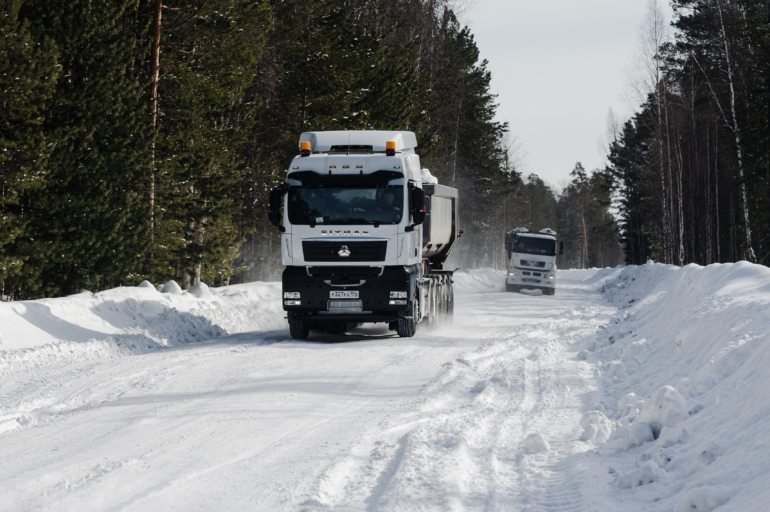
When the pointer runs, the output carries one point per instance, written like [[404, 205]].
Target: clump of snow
[[536, 443], [635, 435], [708, 456], [634, 348], [597, 428], [648, 473], [703, 499], [145, 284], [171, 287], [159, 287], [665, 408], [661, 456], [427, 177], [200, 290]]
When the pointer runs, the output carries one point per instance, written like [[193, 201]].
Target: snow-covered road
[[484, 414]]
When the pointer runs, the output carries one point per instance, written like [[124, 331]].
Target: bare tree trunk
[[679, 203], [307, 59], [716, 188], [737, 132], [156, 28], [585, 239], [709, 225], [670, 190]]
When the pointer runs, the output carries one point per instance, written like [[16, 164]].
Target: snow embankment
[[130, 320], [685, 372], [482, 280]]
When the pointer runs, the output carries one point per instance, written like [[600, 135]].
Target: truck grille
[[357, 251], [345, 306], [528, 263]]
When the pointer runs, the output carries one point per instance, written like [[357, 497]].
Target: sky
[[558, 66]]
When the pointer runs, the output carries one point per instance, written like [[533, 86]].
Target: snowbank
[[685, 373], [130, 320], [483, 280]]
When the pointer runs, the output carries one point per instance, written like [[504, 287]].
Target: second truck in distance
[[532, 260]]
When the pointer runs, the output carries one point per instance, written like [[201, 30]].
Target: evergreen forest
[[692, 167], [140, 139]]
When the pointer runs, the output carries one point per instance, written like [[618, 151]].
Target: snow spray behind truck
[[365, 234], [531, 260]]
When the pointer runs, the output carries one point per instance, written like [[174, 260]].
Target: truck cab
[[351, 216], [532, 260]]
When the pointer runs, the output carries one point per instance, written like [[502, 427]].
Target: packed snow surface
[[638, 388]]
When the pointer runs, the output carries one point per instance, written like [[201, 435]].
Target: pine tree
[[201, 63], [86, 224], [29, 71]]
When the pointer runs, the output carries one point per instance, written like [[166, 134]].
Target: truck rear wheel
[[299, 330]]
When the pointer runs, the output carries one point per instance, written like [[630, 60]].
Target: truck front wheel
[[407, 327], [299, 330]]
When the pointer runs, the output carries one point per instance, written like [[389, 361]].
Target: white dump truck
[[532, 260], [365, 234]]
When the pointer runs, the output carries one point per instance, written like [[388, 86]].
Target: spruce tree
[[201, 63], [88, 220], [28, 72]]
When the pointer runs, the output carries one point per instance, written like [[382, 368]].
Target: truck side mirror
[[561, 247], [274, 212], [418, 206]]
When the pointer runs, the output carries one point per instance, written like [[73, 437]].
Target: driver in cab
[[388, 202]]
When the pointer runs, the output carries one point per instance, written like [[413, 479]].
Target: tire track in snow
[[464, 449]]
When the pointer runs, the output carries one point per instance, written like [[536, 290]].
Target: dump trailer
[[365, 234]]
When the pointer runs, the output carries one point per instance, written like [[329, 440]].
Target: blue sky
[[558, 66]]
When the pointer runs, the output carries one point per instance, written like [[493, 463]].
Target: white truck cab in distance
[[532, 260]]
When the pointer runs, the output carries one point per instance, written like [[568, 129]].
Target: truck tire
[[511, 288], [407, 327], [299, 330], [550, 291]]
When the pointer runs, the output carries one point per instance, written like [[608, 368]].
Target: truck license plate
[[343, 295]]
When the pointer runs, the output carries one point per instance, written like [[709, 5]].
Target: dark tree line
[[692, 167], [139, 139], [581, 214]]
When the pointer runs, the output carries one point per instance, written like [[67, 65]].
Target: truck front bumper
[[373, 285], [535, 279]]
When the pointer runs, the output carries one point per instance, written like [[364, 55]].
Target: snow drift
[[685, 372], [130, 320]]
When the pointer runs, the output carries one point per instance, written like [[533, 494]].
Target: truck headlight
[[549, 276], [513, 273], [397, 303], [293, 302], [398, 295], [291, 295]]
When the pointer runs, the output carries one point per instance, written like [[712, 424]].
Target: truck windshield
[[346, 205], [531, 245]]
